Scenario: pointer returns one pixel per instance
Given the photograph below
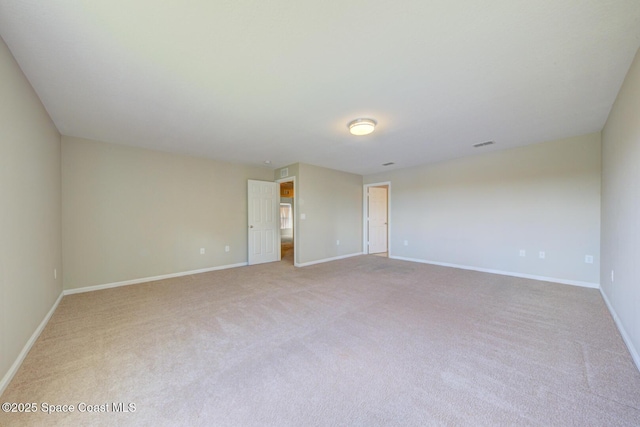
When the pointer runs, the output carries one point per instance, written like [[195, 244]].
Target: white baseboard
[[320, 261], [148, 279], [25, 350], [625, 337], [504, 273]]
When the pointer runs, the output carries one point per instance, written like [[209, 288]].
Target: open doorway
[[377, 224], [287, 221]]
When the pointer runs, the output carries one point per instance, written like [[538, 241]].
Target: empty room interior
[[320, 213]]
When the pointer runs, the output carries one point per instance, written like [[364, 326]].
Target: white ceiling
[[252, 80]]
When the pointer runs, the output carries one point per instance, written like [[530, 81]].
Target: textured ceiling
[[249, 80]]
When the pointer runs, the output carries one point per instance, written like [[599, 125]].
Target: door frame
[[295, 218], [365, 215]]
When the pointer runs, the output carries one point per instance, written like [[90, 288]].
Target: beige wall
[[332, 203], [131, 213], [621, 209], [292, 171], [481, 211], [29, 212]]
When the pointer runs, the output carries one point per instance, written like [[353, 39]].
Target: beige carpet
[[360, 342]]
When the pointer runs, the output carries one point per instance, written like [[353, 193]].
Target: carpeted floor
[[363, 341]]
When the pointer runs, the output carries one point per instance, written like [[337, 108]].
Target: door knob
[[251, 226]]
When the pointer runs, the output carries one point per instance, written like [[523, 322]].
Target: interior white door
[[377, 205], [263, 222]]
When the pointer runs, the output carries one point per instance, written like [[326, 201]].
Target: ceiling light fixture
[[361, 127]]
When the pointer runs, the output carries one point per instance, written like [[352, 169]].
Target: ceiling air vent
[[482, 144]]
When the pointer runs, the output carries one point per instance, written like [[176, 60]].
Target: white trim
[[25, 350], [149, 279], [625, 337], [505, 273], [335, 258], [365, 213]]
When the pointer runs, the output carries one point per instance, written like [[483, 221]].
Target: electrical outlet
[[303, 216], [226, 248], [611, 276], [337, 242], [523, 252], [406, 243], [542, 255], [588, 259], [201, 251], [55, 273]]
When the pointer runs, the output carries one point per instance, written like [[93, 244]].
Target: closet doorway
[[376, 218]]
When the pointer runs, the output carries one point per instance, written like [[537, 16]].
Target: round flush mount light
[[361, 127]]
